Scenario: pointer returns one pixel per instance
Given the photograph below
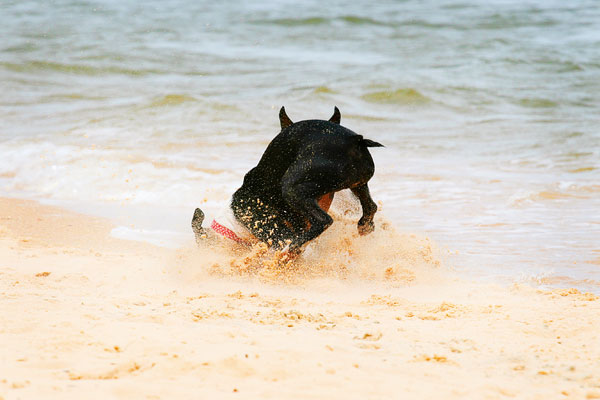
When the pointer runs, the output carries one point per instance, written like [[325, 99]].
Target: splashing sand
[[339, 253]]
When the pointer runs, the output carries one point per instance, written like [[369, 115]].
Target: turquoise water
[[490, 113]]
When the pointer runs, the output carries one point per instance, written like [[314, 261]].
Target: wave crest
[[406, 96]]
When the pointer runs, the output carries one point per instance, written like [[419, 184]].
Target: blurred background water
[[490, 112]]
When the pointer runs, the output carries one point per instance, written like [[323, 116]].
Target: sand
[[84, 315]]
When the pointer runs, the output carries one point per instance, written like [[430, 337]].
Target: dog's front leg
[[365, 224]]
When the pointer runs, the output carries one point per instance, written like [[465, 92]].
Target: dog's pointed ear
[[284, 120], [336, 117]]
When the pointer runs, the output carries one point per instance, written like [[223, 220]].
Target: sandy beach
[[84, 315]]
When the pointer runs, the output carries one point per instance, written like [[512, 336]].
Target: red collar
[[226, 232]]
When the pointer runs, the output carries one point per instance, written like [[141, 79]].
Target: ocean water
[[489, 110]]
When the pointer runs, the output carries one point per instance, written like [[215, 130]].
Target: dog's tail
[[369, 142]]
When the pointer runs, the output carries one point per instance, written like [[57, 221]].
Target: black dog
[[285, 198]]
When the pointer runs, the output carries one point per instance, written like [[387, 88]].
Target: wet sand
[[84, 315]]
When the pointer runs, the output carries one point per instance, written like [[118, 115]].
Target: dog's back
[[310, 141]]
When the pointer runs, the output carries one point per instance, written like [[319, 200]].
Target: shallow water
[[489, 112]]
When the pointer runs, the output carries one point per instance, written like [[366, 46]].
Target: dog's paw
[[290, 252], [366, 228]]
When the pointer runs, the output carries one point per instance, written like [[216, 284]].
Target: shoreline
[[129, 222], [84, 314]]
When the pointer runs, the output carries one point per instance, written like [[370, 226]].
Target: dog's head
[[285, 121]]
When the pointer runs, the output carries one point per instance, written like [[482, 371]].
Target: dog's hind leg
[[365, 224], [199, 231]]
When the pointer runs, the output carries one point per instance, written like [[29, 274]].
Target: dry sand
[[85, 316]]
